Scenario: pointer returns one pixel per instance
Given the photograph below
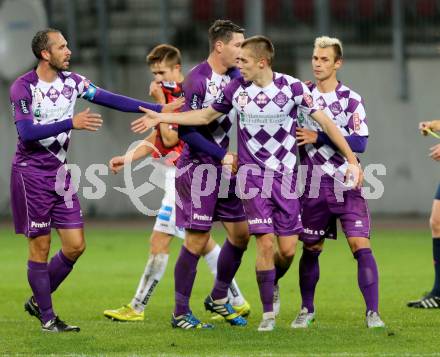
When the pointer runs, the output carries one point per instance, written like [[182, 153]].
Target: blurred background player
[[266, 105], [43, 102], [202, 87], [325, 168], [432, 299], [164, 62]]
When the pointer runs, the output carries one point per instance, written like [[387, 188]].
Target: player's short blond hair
[[170, 54], [325, 42], [261, 47]]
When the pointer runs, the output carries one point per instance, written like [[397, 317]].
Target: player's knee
[[287, 251], [75, 250], [313, 248], [358, 243], [265, 245], [434, 223]]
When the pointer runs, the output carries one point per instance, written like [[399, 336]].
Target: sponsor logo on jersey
[[38, 96], [39, 224], [212, 88], [194, 101], [203, 217], [308, 99], [260, 221], [356, 122], [314, 232], [321, 103], [24, 106], [220, 98], [262, 99], [242, 99]]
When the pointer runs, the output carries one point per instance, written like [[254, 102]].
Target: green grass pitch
[[107, 275]]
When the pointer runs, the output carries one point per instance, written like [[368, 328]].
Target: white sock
[[234, 293], [154, 271]]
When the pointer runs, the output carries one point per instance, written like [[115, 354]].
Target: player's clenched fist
[[86, 120], [230, 160], [116, 164]]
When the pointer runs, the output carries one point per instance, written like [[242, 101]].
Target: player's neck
[[216, 64], [327, 85], [179, 78], [46, 73], [264, 79]]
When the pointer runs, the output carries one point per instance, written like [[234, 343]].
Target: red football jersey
[[172, 91]]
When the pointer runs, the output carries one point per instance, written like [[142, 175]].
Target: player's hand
[[435, 152], [230, 161], [156, 92], [424, 126], [86, 120], [145, 122], [173, 106], [116, 164], [308, 83], [354, 176], [306, 136]]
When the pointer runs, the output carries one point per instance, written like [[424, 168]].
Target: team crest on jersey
[[53, 94], [335, 108], [321, 103], [280, 99], [67, 91], [243, 99], [356, 122], [308, 99], [212, 88]]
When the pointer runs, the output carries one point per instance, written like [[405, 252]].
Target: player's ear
[[219, 46], [338, 63], [45, 54]]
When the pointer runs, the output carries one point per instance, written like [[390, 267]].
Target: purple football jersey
[[45, 103]]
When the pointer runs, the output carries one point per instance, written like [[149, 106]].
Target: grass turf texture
[[107, 275]]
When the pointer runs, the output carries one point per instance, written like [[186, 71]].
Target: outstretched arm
[[189, 118], [125, 104]]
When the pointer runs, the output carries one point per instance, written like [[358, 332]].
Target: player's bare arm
[[144, 149], [332, 131], [192, 117], [169, 135], [173, 106]]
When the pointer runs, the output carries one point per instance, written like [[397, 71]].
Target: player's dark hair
[[222, 30], [262, 47], [40, 42], [169, 54]]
